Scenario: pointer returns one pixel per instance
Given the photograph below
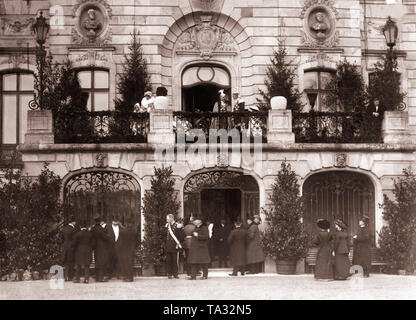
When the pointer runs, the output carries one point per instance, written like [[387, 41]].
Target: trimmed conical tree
[[134, 80], [158, 202], [285, 237], [347, 90], [280, 81], [398, 238]]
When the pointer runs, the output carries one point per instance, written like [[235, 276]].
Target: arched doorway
[[339, 195], [221, 194], [104, 193], [200, 86]]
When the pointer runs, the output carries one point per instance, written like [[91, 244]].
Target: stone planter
[[286, 266], [160, 270], [148, 270]]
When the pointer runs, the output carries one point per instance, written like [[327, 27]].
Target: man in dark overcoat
[[220, 235], [362, 247], [83, 246], [128, 239], [68, 259], [199, 257], [187, 234], [238, 241], [101, 249], [114, 230], [254, 252], [173, 240]]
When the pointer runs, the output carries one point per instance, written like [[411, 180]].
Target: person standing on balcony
[[147, 103], [362, 252], [238, 241], [324, 268], [101, 249], [222, 106], [341, 251], [254, 251], [68, 258], [161, 101], [239, 106], [199, 253]]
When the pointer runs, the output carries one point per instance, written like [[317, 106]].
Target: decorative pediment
[[206, 39], [319, 24], [92, 23]]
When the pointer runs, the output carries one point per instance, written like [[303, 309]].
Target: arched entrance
[[339, 195], [200, 86], [221, 194], [104, 193]]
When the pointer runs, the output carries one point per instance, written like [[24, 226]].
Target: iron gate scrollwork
[[105, 193], [339, 195]]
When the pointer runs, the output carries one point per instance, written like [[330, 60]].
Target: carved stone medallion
[[92, 23], [99, 160], [340, 160], [319, 24]]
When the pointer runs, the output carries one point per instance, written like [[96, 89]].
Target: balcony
[[252, 124], [337, 127], [102, 127], [275, 126]]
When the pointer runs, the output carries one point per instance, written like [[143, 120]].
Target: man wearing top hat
[[362, 251], [199, 253], [68, 259], [101, 249]]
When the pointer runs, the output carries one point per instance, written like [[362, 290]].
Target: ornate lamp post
[[390, 32], [40, 29]]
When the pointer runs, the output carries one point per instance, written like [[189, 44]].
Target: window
[[315, 83], [16, 90], [95, 82]]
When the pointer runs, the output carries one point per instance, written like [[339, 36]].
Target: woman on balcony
[[222, 106]]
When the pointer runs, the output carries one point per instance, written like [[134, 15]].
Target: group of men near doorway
[[113, 246], [241, 245]]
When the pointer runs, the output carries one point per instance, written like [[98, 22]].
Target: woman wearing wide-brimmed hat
[[324, 267], [341, 250], [362, 252]]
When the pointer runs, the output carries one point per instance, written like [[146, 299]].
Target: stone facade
[[239, 35]]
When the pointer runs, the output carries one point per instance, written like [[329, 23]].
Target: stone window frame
[[18, 93], [319, 90], [92, 89]]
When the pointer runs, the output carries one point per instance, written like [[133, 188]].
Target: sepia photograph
[[207, 156]]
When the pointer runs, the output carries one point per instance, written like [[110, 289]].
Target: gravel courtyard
[[221, 287]]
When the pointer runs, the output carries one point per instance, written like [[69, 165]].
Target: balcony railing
[[337, 127], [101, 127], [252, 123]]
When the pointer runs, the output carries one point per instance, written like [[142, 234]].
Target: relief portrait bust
[[91, 24], [319, 26]]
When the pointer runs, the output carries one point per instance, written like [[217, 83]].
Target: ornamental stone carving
[[16, 25], [319, 24], [340, 160], [206, 39], [92, 23]]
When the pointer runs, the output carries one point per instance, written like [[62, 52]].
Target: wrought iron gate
[[105, 193], [339, 195]]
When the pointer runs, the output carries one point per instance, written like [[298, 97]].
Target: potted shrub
[[158, 202], [398, 237], [284, 237]]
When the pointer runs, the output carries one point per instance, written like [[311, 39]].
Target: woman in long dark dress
[[362, 252], [324, 268], [341, 249]]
